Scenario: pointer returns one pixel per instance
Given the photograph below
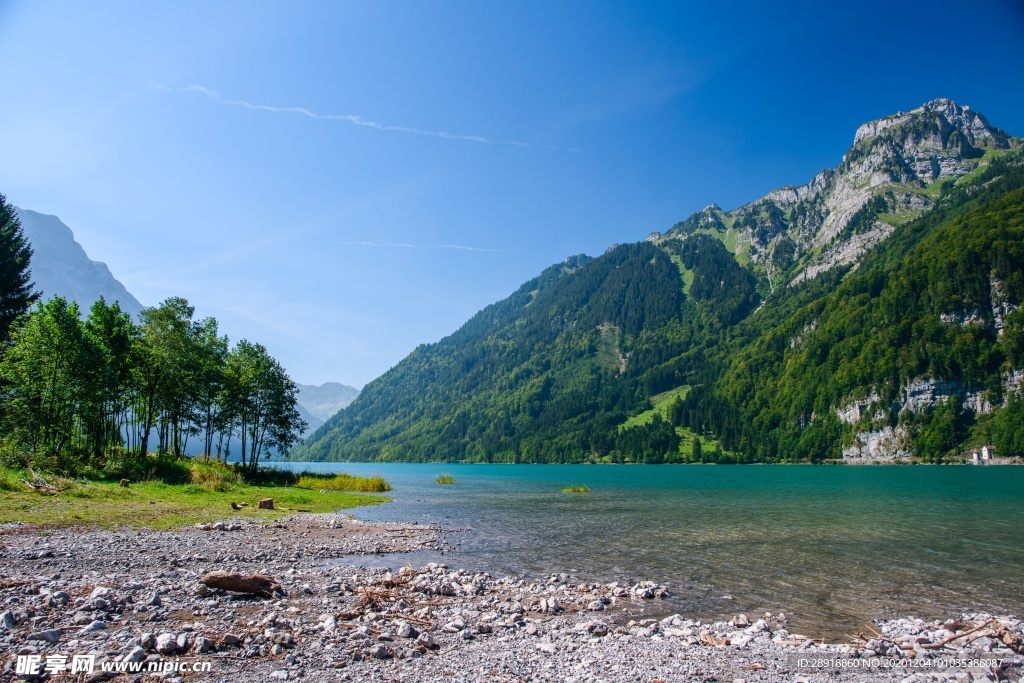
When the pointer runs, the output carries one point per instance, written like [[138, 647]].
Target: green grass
[[686, 438], [159, 505], [444, 478], [581, 488], [342, 482], [660, 402]]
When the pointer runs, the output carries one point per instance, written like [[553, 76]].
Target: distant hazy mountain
[[313, 422], [61, 267], [322, 402]]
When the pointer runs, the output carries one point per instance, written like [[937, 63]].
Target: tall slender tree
[[16, 291], [260, 402]]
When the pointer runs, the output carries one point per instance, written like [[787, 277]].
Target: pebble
[[433, 623]]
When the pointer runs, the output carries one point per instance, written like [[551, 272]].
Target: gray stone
[[166, 643], [426, 640], [203, 645], [50, 635], [7, 620], [279, 675], [92, 627], [81, 619], [231, 639], [137, 654], [405, 630]]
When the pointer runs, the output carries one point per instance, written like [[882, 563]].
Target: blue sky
[[344, 181]]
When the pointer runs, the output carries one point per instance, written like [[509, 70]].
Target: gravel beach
[[143, 599]]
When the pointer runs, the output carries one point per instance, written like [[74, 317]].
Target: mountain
[[60, 266], [316, 404], [871, 313], [325, 400]]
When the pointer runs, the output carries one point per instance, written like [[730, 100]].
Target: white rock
[[166, 643]]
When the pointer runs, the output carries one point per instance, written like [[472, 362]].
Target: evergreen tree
[[16, 294]]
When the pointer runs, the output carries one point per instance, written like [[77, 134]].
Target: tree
[[110, 333], [212, 353], [16, 293], [165, 374], [698, 454], [259, 403], [42, 373]]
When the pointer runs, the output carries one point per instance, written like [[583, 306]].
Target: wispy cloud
[[351, 119], [409, 245]]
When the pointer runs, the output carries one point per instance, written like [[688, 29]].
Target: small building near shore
[[983, 455]]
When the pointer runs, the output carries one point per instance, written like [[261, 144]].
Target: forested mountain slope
[[873, 310]]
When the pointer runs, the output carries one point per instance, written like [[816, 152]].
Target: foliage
[[342, 482], [578, 488], [444, 478], [16, 293], [89, 395]]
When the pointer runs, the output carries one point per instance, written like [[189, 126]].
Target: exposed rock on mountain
[[60, 266], [891, 174]]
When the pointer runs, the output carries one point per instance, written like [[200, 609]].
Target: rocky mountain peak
[[883, 180]]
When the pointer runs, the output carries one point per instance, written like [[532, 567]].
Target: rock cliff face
[[60, 266], [890, 175]]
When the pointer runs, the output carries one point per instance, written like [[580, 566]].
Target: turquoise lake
[[831, 546]]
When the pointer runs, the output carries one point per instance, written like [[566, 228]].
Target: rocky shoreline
[[134, 596]]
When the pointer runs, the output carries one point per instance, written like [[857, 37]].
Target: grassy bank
[[206, 496]]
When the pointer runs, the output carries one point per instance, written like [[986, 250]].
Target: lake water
[[832, 546]]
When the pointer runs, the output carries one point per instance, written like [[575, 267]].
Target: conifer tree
[[16, 293]]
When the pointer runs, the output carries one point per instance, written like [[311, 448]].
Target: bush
[[267, 476], [444, 478], [342, 482], [581, 488], [10, 481], [213, 475]]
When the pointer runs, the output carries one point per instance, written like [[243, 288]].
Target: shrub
[[582, 488], [444, 478], [213, 475], [342, 482]]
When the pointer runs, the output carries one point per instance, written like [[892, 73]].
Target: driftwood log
[[126, 483], [266, 504], [254, 584], [40, 484]]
